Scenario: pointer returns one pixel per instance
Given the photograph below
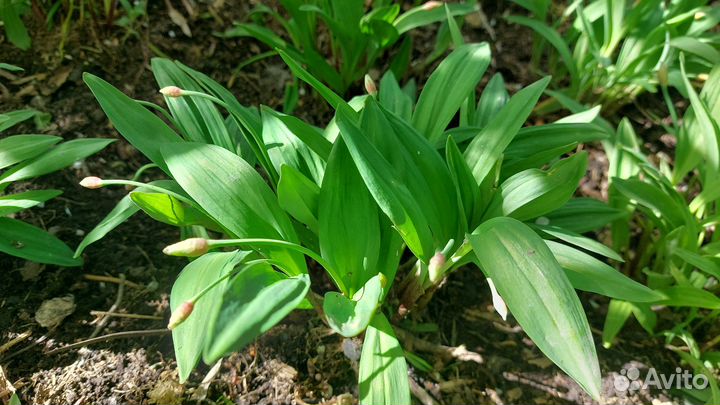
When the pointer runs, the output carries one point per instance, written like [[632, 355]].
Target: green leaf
[[539, 295], [580, 241], [419, 16], [493, 98], [12, 118], [652, 197], [349, 221], [532, 193], [298, 196], [383, 374], [31, 243], [143, 129], [309, 135], [618, 313], [254, 301], [15, 149], [553, 37], [350, 317], [285, 148], [14, 27], [190, 336], [60, 156], [389, 192], [583, 215], [590, 274], [467, 187], [393, 98], [237, 198], [169, 210], [689, 296], [448, 87], [10, 204], [486, 148], [702, 263], [330, 96]]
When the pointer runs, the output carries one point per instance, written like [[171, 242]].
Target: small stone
[[52, 312]]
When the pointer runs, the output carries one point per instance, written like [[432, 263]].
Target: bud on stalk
[[192, 247], [370, 86], [431, 5], [180, 314], [435, 267], [172, 91], [91, 182]]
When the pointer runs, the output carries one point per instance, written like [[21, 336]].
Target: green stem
[[162, 111], [149, 187], [142, 170], [670, 106], [229, 274]]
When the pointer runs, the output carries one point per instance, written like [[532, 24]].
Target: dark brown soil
[[297, 362]]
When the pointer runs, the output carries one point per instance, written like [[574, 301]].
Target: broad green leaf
[[298, 196], [12, 118], [486, 148], [467, 188], [590, 274], [383, 374], [583, 215], [652, 197], [697, 47], [169, 210], [617, 314], [539, 295], [31, 243], [15, 30], [15, 149], [233, 194], [143, 129], [254, 301], [285, 148], [532, 140], [349, 221], [532, 193], [579, 241], [10, 204], [350, 317], [419, 16], [703, 263], [688, 296], [493, 98], [60, 156], [387, 188], [309, 135], [393, 98], [448, 87], [190, 336]]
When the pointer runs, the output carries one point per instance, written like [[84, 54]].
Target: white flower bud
[[172, 91], [192, 247], [91, 182], [180, 314]]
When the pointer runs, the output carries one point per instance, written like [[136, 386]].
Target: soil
[[299, 361]]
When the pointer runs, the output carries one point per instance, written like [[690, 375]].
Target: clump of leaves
[[22, 158], [389, 174], [678, 246], [610, 51], [358, 37]]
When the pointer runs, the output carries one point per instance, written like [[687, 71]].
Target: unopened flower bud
[[370, 86], [172, 91], [192, 247], [435, 267], [431, 5], [662, 75], [91, 182], [180, 314]]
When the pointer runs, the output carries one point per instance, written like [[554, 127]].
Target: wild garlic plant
[[23, 158], [391, 175], [608, 52], [679, 246]]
